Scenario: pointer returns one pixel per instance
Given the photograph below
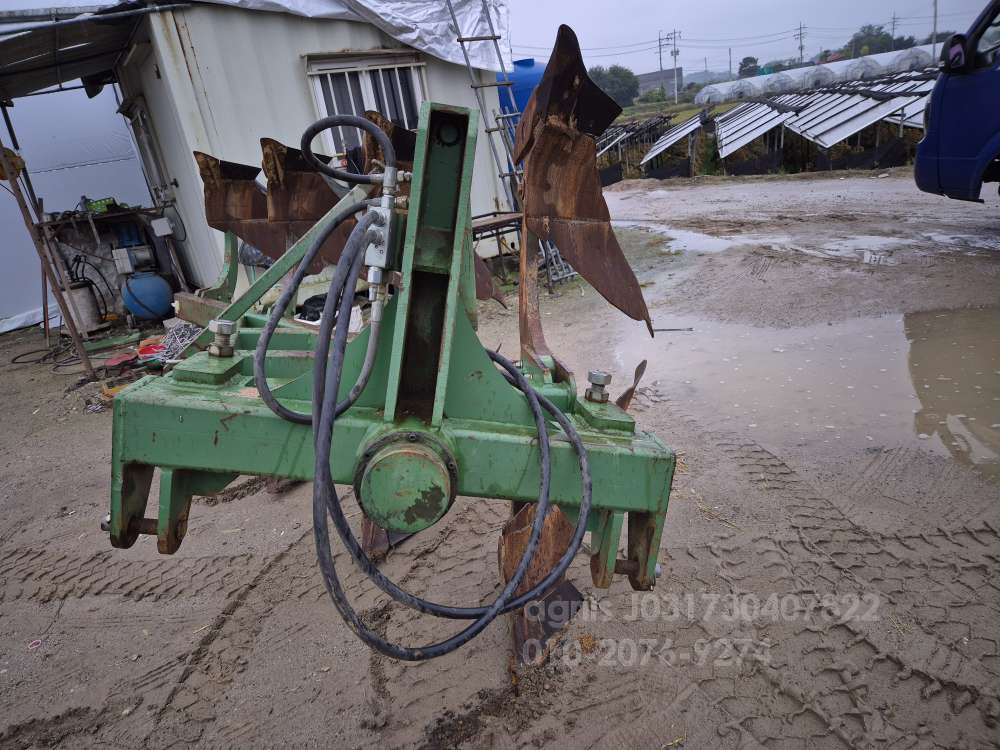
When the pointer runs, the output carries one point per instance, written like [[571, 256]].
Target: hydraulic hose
[[388, 181], [358, 554], [354, 122], [328, 369], [287, 294], [325, 500]]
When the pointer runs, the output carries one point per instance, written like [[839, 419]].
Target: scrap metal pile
[[423, 412]]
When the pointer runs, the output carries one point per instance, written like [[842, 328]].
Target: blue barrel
[[147, 296], [525, 75]]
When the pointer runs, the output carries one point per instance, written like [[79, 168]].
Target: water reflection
[[954, 364]]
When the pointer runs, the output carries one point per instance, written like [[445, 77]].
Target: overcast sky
[[627, 29]]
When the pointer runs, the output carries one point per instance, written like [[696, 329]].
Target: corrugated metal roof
[[833, 116], [45, 57], [750, 121], [912, 114], [829, 115], [624, 133], [672, 136]]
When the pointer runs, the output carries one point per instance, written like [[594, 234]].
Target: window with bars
[[392, 87]]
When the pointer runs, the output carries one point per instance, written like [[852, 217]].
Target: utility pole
[[706, 64], [934, 35], [674, 53], [801, 35], [659, 49], [730, 63], [892, 43]]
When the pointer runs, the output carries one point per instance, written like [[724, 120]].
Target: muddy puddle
[[930, 378], [866, 248], [686, 240]]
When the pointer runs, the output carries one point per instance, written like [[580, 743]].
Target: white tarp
[[425, 25]]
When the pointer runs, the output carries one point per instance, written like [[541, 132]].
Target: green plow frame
[[203, 424]]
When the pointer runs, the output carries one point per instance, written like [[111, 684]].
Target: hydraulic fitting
[[377, 253]]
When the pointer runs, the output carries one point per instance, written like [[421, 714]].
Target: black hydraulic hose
[[99, 273], [328, 369], [350, 121], [264, 342], [358, 554], [103, 307], [325, 501]]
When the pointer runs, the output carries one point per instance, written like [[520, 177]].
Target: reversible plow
[[413, 411]]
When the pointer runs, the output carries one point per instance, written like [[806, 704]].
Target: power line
[[739, 38], [721, 42], [654, 41], [587, 49], [823, 34], [607, 54]]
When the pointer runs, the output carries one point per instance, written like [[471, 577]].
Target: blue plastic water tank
[[147, 296], [525, 75]]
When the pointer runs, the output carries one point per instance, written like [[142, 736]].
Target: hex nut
[[219, 350], [596, 394]]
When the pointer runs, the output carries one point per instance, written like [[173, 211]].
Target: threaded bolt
[[222, 344], [596, 393]]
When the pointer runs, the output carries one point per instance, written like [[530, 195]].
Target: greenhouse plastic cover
[[422, 24], [913, 58]]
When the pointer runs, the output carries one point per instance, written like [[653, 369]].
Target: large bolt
[[596, 393], [220, 326], [222, 345]]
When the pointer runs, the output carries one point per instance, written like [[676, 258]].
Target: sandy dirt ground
[[831, 557]]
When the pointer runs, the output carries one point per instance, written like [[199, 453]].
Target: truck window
[[988, 44]]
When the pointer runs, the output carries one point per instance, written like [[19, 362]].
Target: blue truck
[[961, 145]]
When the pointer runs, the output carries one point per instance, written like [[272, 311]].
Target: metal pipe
[[374, 329], [30, 15], [93, 17]]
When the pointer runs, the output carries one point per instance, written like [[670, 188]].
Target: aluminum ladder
[[502, 124], [496, 124]]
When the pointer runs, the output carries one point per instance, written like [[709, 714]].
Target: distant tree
[[942, 36], [749, 67], [618, 82], [871, 39]]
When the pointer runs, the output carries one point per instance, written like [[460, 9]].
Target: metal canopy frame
[[674, 135], [750, 121], [828, 115], [836, 115], [622, 134]]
